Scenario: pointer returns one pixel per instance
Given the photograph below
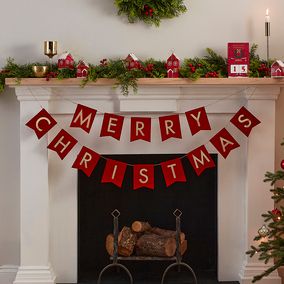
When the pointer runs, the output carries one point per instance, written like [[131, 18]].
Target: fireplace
[[197, 199], [49, 186]]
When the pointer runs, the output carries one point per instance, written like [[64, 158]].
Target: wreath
[[151, 12]]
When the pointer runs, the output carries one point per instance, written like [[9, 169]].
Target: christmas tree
[[271, 235]]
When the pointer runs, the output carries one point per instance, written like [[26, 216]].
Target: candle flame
[[267, 12]]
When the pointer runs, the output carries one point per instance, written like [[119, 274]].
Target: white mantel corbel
[[221, 96]]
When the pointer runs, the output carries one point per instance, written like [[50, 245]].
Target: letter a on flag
[[245, 121], [83, 118], [86, 160], [41, 123], [114, 172]]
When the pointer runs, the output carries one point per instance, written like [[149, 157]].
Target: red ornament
[[282, 164], [277, 214], [172, 65]]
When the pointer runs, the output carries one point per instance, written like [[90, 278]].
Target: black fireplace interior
[[197, 199]]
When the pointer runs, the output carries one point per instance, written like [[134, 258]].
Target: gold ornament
[[50, 48], [263, 231]]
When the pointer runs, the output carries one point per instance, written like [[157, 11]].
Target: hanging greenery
[[151, 12], [211, 65]]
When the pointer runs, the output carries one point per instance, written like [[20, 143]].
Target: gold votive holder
[[40, 71]]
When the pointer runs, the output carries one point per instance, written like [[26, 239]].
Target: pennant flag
[[245, 121], [62, 144], [86, 160], [197, 120], [140, 129], [114, 172], [143, 176], [41, 123], [173, 171], [112, 125], [224, 142], [83, 118], [200, 160], [170, 127]]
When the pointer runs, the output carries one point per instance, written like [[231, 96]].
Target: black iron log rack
[[177, 258]]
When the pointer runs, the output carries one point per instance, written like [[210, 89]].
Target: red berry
[[146, 13], [151, 10]]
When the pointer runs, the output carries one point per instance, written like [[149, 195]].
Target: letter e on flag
[[112, 125]]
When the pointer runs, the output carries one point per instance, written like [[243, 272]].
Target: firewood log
[[126, 241], [167, 233], [110, 244], [154, 245], [183, 247], [139, 226]]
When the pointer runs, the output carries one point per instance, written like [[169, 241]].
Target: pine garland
[[150, 12], [211, 65]]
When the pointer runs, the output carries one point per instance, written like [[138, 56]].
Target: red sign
[[140, 129], [238, 59], [114, 172], [112, 125], [143, 176], [197, 120], [170, 127], [41, 123], [86, 160], [173, 171]]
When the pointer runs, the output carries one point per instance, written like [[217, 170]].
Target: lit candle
[[267, 17]]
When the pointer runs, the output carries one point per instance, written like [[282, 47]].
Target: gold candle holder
[[50, 48], [40, 71]]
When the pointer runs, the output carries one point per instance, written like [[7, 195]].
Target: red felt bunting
[[112, 125], [41, 123], [224, 142], [143, 176], [170, 127], [140, 129], [173, 171], [83, 118], [245, 121], [197, 120], [62, 144], [200, 160], [114, 172], [86, 160]]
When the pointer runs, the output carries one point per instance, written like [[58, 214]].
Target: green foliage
[[271, 248], [151, 12]]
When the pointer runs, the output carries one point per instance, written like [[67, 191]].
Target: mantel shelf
[[181, 82]]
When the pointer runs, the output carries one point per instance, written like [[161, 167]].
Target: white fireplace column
[[34, 194]]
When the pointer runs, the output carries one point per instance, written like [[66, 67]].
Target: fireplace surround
[[49, 185]]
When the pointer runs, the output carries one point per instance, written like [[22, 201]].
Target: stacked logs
[[143, 240]]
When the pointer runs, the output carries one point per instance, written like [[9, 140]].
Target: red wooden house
[[173, 63], [66, 60], [82, 69], [277, 69], [132, 62]]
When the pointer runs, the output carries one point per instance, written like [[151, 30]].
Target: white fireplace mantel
[[48, 186]]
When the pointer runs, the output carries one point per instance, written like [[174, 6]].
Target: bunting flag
[[112, 125], [86, 160], [200, 160], [41, 123], [62, 144], [245, 121], [170, 127], [197, 120], [173, 171], [114, 172], [143, 176], [83, 118], [224, 142], [140, 129]]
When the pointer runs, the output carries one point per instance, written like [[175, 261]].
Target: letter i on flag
[[83, 118], [41, 123], [114, 172]]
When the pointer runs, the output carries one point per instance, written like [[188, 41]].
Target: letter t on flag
[[173, 171], [83, 118], [41, 123]]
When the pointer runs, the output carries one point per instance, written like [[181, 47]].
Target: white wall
[[91, 29]]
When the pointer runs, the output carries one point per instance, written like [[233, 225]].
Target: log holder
[[177, 258]]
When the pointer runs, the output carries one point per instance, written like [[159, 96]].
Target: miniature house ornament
[[277, 69], [66, 60], [82, 69], [173, 63], [132, 62]]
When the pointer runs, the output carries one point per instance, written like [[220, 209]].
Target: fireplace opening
[[196, 198]]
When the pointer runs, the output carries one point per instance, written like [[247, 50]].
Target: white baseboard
[[8, 274]]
